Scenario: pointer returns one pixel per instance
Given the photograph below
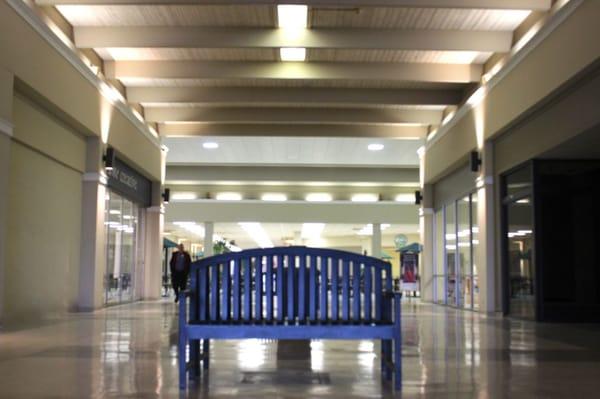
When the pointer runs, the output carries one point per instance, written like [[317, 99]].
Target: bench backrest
[[289, 284]]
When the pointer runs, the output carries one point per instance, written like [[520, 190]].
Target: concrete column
[[484, 252], [376, 241], [93, 231], [6, 129], [209, 228], [427, 234]]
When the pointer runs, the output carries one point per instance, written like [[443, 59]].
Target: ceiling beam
[[287, 130], [230, 37], [540, 5], [438, 73], [290, 175], [292, 115], [285, 96]]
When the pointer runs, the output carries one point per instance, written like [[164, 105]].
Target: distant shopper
[[180, 269]]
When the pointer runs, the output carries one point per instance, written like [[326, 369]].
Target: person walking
[[180, 269]]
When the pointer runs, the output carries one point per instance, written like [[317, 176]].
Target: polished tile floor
[[129, 352]]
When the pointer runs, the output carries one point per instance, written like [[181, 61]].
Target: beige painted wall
[[40, 67], [44, 214], [44, 221], [569, 49]]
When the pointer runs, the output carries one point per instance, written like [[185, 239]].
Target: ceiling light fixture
[[375, 147], [210, 145], [319, 197], [405, 198], [184, 196], [292, 16], [297, 54], [365, 198], [257, 233], [273, 197], [229, 196]]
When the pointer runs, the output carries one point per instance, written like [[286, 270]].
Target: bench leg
[[205, 353], [195, 358], [397, 344], [386, 358], [181, 359]]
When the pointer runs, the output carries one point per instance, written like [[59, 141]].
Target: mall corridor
[[129, 351]]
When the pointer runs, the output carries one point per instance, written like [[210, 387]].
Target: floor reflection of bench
[[289, 293]]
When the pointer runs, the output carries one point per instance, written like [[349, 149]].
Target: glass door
[[521, 270], [451, 277], [121, 226], [463, 237]]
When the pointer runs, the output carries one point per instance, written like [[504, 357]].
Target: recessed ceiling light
[[210, 145], [184, 196], [405, 198], [229, 196], [364, 198], [375, 147], [273, 197], [292, 16], [292, 53], [319, 197]]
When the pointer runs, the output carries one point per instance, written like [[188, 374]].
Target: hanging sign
[[409, 263], [131, 184]]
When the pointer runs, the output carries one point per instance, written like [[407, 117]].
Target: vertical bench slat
[[236, 289], [258, 295], [225, 294], [202, 292], [378, 293], [368, 292], [280, 289], [312, 289], [302, 288], [345, 289], [291, 288], [323, 288], [269, 287], [214, 292], [355, 290], [247, 290], [335, 263]]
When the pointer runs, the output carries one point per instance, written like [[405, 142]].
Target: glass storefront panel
[[450, 246], [521, 271], [475, 245], [121, 246], [439, 275], [463, 238]]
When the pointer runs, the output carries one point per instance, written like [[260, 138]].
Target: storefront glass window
[[121, 228], [450, 234], [439, 275], [475, 245], [465, 277]]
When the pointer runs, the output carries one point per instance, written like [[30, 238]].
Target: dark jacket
[[186, 264]]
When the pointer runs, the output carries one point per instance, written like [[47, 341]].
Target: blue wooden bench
[[289, 293]]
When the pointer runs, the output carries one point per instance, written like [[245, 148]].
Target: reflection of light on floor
[[366, 360], [251, 353], [316, 355], [366, 346]]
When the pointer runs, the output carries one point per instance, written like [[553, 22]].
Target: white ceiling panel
[[292, 151]]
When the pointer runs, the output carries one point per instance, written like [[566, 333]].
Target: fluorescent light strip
[[312, 231], [292, 16], [257, 233], [184, 196], [405, 198], [273, 197], [375, 147], [229, 196], [319, 197], [365, 198], [297, 54]]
